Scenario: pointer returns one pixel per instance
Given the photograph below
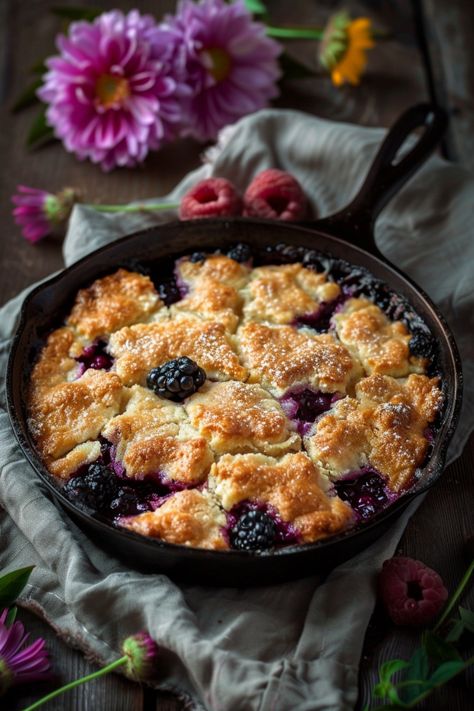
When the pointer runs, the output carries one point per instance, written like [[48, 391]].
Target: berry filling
[[303, 406], [241, 252], [365, 491], [94, 356], [257, 526], [320, 320], [169, 291]]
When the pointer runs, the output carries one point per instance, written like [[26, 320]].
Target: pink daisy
[[18, 663], [38, 212], [231, 64], [113, 92]]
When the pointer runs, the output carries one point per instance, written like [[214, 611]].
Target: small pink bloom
[[38, 212], [230, 63], [142, 652], [113, 90], [20, 664]]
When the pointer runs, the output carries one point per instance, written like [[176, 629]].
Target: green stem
[[294, 32], [136, 208], [457, 594], [77, 682]]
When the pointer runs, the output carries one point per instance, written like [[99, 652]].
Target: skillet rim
[[436, 459]]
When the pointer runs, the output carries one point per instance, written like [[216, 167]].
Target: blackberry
[[197, 257], [176, 379], [168, 292], [240, 252], [255, 530], [365, 493], [95, 489], [421, 344], [128, 502]]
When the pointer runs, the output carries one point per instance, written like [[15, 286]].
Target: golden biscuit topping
[[280, 294], [354, 401], [112, 302]]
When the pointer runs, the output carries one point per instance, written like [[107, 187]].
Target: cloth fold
[[290, 647]]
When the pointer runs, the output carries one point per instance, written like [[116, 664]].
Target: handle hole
[[413, 138]]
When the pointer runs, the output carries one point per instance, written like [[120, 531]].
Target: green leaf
[[27, 97], [256, 7], [72, 13], [455, 632], [294, 69], [12, 584], [419, 668], [438, 649], [11, 616], [388, 669], [446, 671], [39, 133], [467, 617]]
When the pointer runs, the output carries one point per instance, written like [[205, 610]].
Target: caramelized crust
[[152, 437], [280, 357], [216, 268], [81, 456], [140, 348], [112, 302], [290, 484], [212, 301], [69, 414], [237, 417], [188, 518], [55, 364], [384, 427], [279, 294], [380, 345]]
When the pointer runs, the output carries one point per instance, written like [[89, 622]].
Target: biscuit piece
[[280, 357], [140, 348], [69, 414], [113, 302], [215, 267], [55, 364], [152, 437], [212, 286], [291, 485], [385, 427], [187, 518], [81, 456], [279, 294], [237, 417], [380, 344]]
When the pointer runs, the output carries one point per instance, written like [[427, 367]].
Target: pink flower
[[141, 652], [113, 91], [38, 212], [20, 664], [231, 64]]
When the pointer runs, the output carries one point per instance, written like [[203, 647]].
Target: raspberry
[[276, 195], [412, 593], [213, 197]]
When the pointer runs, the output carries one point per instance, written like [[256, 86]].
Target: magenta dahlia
[[113, 92], [230, 63], [18, 663], [39, 213]]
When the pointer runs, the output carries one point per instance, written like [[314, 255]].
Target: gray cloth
[[291, 647]]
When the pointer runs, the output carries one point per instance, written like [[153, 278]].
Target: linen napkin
[[294, 646]]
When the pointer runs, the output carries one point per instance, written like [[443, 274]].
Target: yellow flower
[[344, 47]]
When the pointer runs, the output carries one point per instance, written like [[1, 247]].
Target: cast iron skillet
[[347, 235]]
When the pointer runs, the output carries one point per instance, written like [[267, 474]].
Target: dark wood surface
[[429, 53]]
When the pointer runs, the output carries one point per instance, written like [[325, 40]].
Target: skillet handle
[[386, 176]]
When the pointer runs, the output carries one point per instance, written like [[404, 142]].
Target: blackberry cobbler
[[247, 401]]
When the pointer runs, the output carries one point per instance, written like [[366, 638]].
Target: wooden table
[[428, 55]]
